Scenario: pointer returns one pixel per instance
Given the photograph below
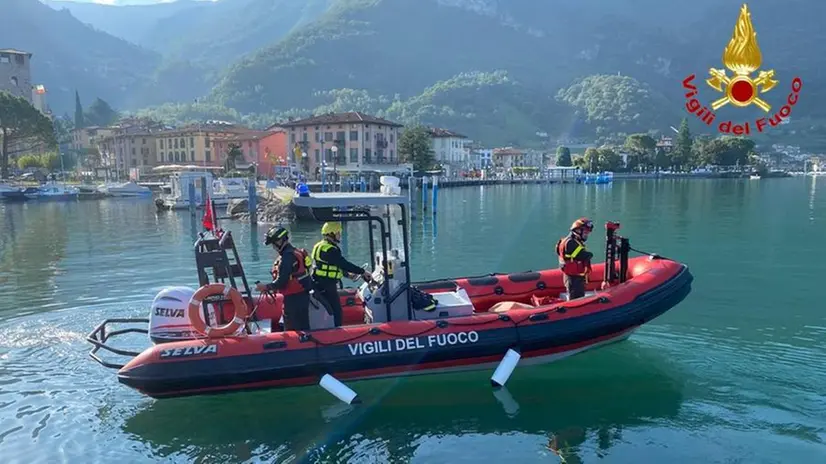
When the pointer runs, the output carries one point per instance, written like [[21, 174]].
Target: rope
[[653, 255]]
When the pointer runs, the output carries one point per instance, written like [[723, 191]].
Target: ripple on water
[[765, 390], [52, 387]]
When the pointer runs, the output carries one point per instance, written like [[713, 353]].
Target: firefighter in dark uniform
[[574, 258], [291, 277], [330, 267]]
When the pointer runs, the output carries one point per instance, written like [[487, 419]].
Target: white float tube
[[338, 389], [505, 368], [509, 404]]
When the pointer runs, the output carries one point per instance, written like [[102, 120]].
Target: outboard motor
[[168, 318]]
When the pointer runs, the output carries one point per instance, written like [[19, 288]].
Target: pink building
[[267, 149]]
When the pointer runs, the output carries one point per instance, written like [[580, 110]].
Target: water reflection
[[31, 259], [567, 404], [812, 192]]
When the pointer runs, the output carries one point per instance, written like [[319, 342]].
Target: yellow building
[[193, 144], [129, 147], [87, 138]]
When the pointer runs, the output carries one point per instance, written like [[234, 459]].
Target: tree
[[724, 151], [21, 122], [233, 156], [589, 162], [609, 160], [415, 146], [563, 156], [661, 159], [100, 114], [78, 112], [681, 154], [641, 146], [29, 161]]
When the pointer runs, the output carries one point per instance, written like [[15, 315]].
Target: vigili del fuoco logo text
[[742, 57]]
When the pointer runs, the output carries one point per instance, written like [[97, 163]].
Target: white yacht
[[229, 188], [126, 189], [180, 189]]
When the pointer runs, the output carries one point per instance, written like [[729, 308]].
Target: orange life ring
[[194, 310]]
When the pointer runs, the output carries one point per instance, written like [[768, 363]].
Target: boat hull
[[541, 334]]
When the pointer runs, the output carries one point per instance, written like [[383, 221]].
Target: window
[[183, 143], [19, 59], [161, 145], [160, 157], [317, 157], [328, 136], [340, 136], [176, 143], [5, 59], [208, 155], [133, 151], [192, 155], [391, 152], [292, 138], [354, 155], [304, 136], [367, 156], [191, 142], [391, 137], [354, 136], [328, 155], [207, 142], [14, 81], [318, 136]]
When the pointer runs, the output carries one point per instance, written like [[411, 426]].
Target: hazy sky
[[123, 2]]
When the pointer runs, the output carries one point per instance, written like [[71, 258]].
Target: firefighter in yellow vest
[[574, 258], [330, 267]]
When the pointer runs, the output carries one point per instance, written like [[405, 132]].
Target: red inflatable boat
[[478, 322]]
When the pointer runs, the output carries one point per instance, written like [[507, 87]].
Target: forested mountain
[[131, 22], [69, 55], [498, 70]]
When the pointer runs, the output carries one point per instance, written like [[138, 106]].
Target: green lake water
[[734, 374]]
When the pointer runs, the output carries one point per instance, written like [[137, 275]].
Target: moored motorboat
[[126, 189], [477, 323], [52, 191]]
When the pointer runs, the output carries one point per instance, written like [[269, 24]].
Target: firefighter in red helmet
[[574, 258]]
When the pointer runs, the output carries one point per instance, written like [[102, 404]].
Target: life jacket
[[299, 279], [323, 268], [568, 263]]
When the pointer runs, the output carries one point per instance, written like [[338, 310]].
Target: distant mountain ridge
[[411, 59]]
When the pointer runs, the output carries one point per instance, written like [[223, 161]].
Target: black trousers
[[575, 286], [327, 291], [297, 311]]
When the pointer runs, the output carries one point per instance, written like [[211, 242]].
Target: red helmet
[[583, 223]]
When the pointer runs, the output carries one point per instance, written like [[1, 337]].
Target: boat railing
[[101, 335]]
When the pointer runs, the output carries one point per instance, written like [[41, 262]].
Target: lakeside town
[[344, 144]]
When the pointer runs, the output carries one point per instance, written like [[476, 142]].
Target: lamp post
[[323, 176], [335, 158]]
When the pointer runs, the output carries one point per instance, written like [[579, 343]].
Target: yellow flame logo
[[742, 57]]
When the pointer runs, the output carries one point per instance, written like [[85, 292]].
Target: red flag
[[209, 216]]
